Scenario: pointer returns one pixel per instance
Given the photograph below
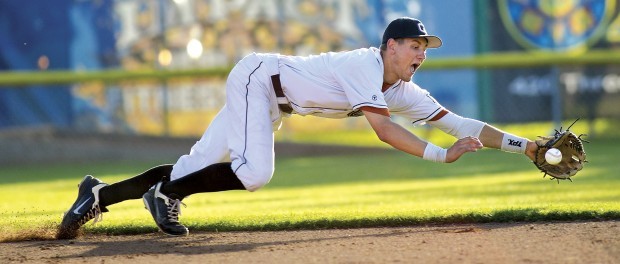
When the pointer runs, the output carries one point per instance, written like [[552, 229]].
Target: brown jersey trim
[[381, 111], [441, 114]]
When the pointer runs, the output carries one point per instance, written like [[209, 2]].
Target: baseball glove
[[573, 154]]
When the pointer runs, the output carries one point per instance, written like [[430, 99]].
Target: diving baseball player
[[236, 151]]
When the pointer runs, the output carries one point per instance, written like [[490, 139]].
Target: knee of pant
[[256, 181]]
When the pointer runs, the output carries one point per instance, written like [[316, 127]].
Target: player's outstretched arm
[[402, 139], [490, 136]]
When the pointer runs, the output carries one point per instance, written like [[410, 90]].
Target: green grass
[[386, 189], [305, 129]]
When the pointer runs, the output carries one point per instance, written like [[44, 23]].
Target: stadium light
[[164, 57], [194, 49]]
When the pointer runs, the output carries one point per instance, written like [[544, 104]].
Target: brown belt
[[277, 87]]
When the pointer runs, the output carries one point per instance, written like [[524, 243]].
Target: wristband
[[434, 153], [514, 144]]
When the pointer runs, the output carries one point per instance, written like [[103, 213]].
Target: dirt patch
[[565, 242]]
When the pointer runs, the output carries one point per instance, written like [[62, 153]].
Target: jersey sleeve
[[410, 101], [360, 75]]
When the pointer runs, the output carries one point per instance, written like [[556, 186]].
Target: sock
[[135, 187], [214, 178]]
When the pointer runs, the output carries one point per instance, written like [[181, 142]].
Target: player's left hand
[[573, 154]]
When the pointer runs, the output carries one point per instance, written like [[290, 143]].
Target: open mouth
[[414, 67]]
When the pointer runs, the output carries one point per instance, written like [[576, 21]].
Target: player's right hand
[[462, 146]]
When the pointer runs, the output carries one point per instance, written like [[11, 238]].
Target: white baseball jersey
[[337, 84], [333, 85]]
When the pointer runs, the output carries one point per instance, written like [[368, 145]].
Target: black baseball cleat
[[165, 211], [85, 208]]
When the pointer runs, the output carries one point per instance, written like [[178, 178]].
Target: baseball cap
[[406, 27]]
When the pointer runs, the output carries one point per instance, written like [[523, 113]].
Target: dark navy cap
[[406, 27]]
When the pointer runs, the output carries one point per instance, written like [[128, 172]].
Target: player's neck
[[389, 78], [386, 86]]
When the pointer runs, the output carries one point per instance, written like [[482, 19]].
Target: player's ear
[[391, 44]]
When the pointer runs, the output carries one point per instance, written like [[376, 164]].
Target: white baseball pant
[[242, 132]]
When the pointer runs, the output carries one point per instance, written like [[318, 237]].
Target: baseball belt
[[283, 103]]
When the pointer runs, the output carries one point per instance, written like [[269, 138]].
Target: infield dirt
[[557, 242]]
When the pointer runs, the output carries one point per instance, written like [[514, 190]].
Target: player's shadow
[[193, 245], [203, 244]]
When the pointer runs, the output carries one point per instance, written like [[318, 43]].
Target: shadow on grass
[[77, 171], [527, 215], [500, 216], [336, 169], [394, 165]]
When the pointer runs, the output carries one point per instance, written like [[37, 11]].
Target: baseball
[[553, 156]]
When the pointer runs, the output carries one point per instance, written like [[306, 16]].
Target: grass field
[[386, 189]]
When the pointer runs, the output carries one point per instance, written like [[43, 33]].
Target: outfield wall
[[133, 40]]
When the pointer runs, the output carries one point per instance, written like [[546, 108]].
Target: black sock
[[214, 178], [135, 187]]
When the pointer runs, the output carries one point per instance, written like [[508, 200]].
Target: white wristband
[[512, 143], [434, 153]]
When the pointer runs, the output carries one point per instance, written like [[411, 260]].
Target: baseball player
[[236, 151]]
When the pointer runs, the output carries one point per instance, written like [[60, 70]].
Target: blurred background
[[40, 121]]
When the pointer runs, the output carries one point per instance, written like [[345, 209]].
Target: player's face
[[409, 56]]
